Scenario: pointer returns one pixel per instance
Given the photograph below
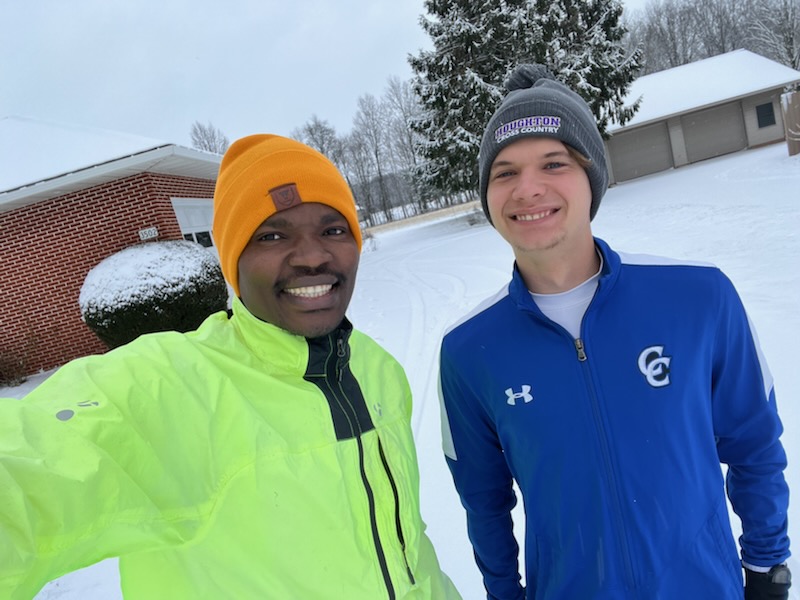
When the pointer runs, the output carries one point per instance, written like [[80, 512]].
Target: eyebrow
[[277, 221], [553, 154]]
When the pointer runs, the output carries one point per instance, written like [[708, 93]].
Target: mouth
[[534, 216], [309, 291]]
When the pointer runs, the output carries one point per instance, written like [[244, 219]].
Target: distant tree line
[[414, 148], [671, 33]]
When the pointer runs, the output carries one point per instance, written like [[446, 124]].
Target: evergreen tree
[[583, 45], [476, 44], [459, 83]]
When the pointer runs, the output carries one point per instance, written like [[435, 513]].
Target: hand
[[768, 586]]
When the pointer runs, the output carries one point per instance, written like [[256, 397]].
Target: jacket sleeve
[[748, 429], [483, 481], [79, 482]]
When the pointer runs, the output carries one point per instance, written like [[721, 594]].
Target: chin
[[314, 330]]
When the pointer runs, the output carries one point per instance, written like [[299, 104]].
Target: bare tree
[[721, 24], [775, 31], [403, 107], [359, 164], [667, 35], [208, 138], [345, 153], [320, 135], [671, 33], [369, 127]]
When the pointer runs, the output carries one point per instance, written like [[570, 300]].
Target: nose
[[309, 251], [529, 185]]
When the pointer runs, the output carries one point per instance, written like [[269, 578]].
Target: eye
[[554, 165], [337, 230], [269, 236], [502, 174]]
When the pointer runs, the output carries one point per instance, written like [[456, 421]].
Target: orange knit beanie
[[262, 174]]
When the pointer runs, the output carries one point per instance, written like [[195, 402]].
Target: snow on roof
[[32, 150], [705, 83]]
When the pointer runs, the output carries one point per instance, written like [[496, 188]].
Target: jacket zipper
[[341, 353], [606, 454], [373, 521], [581, 350], [398, 524]]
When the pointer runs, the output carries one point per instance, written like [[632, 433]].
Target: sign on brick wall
[[149, 233]]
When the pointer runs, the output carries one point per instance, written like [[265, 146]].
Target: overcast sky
[[153, 67]]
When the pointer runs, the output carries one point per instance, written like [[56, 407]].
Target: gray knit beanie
[[539, 106]]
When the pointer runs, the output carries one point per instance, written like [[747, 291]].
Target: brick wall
[[46, 250]]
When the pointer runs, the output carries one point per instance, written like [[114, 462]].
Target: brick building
[[70, 197]]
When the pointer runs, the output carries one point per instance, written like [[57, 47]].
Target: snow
[[706, 82], [144, 271], [740, 212], [32, 150]]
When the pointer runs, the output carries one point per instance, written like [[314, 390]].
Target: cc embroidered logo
[[655, 366], [523, 395]]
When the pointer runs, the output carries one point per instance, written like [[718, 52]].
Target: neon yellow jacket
[[237, 461]]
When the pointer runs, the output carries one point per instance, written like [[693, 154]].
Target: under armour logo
[[654, 366], [523, 395]]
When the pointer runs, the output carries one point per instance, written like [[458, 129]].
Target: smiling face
[[299, 268], [538, 197]]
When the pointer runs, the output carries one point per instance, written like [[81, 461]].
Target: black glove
[[768, 586]]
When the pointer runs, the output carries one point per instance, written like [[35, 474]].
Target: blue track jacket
[[616, 439]]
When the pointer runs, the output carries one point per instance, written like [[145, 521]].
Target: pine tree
[[477, 43], [583, 45], [459, 82]]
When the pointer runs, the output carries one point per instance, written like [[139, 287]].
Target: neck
[[556, 272]]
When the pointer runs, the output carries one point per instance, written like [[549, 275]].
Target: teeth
[[312, 291], [534, 217]]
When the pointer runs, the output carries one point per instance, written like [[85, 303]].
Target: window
[[765, 114], [195, 216], [201, 237]]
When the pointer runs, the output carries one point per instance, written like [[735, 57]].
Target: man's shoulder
[[668, 272], [481, 316], [654, 260], [363, 345]]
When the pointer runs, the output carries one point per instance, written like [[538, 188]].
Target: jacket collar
[[280, 350], [519, 293]]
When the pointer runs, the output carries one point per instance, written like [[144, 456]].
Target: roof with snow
[[43, 160], [704, 83]]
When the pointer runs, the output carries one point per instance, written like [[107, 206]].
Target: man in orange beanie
[[267, 454]]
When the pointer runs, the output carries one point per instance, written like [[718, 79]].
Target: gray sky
[[153, 67]]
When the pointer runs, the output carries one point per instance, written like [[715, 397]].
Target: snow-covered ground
[[741, 212]]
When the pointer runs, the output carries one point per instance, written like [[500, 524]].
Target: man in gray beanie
[[609, 387], [538, 105]]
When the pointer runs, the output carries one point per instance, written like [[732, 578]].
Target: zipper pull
[[580, 348], [340, 350]]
